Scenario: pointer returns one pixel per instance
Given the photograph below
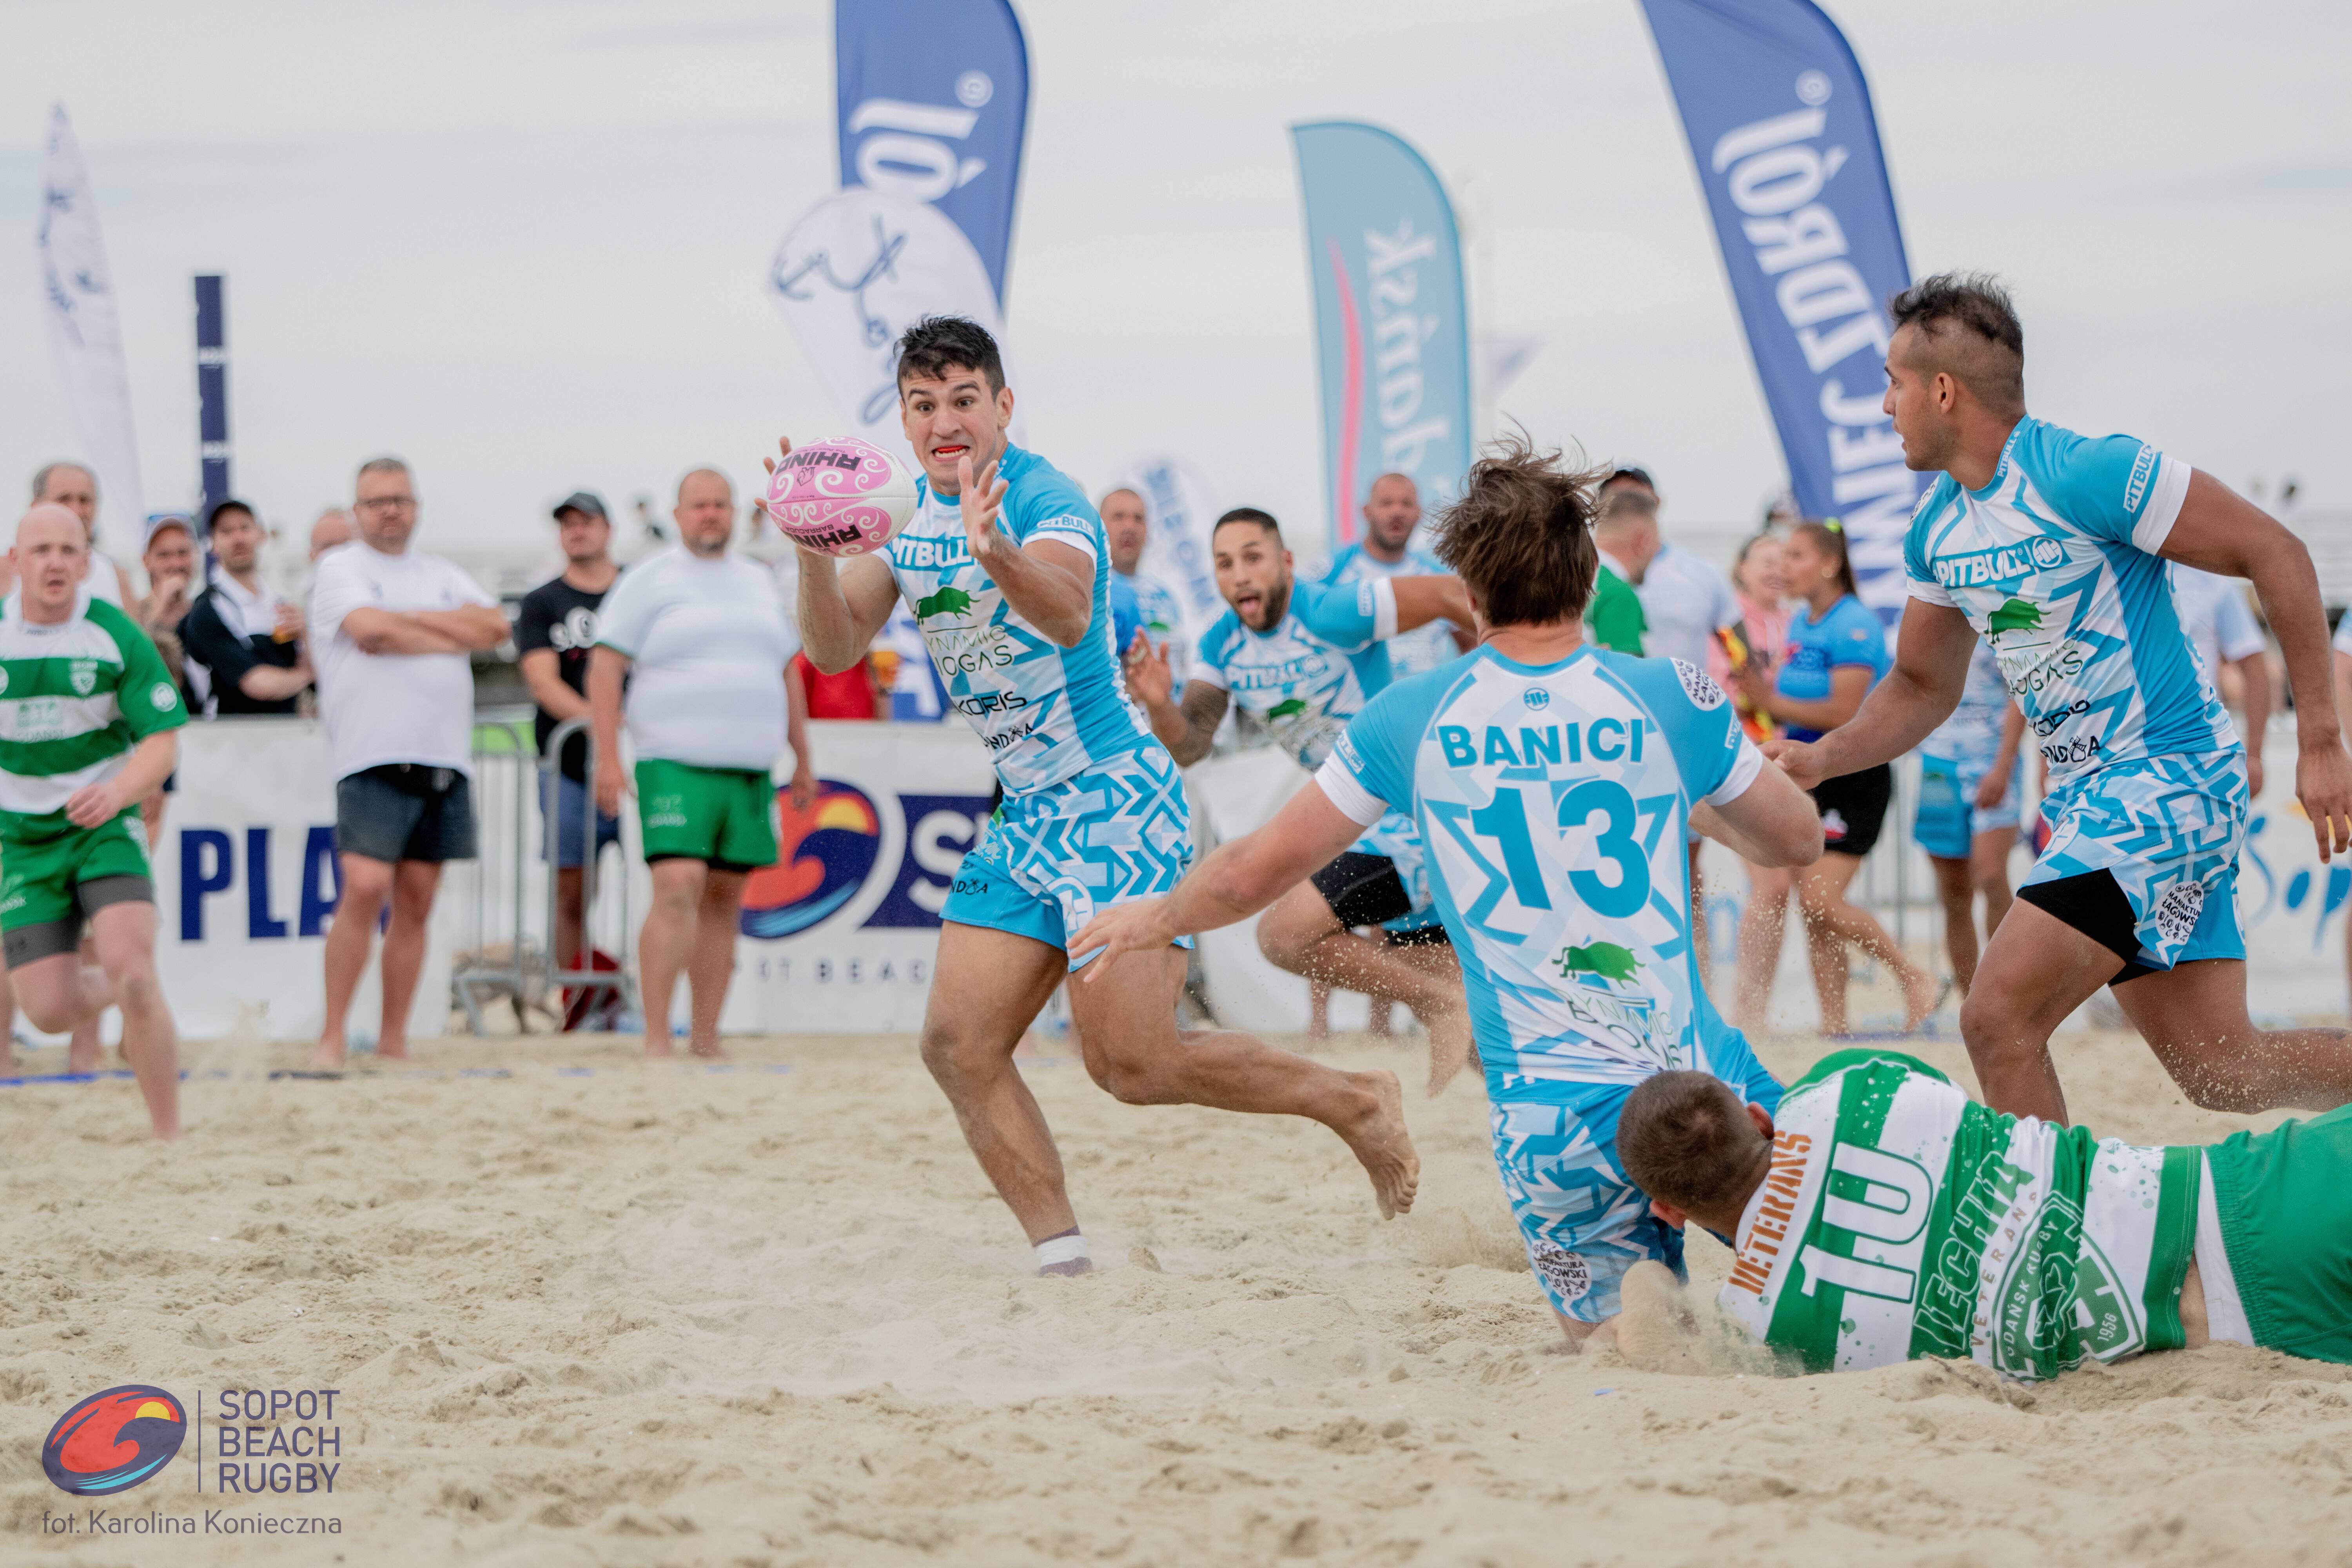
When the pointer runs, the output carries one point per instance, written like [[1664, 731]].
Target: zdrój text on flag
[[1787, 150], [1390, 320], [933, 97]]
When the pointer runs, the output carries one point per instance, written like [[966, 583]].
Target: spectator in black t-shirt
[[247, 640], [555, 631]]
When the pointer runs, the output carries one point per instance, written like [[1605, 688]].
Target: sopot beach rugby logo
[[114, 1439]]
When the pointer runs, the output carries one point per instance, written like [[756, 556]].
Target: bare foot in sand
[[1379, 1139], [1921, 996], [708, 1050], [1450, 1046]]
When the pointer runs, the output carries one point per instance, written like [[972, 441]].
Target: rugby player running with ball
[[2052, 546], [1005, 566]]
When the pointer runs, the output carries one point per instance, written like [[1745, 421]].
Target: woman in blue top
[[1835, 652]]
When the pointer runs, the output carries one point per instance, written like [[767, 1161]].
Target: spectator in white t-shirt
[[390, 632], [1685, 601], [701, 637]]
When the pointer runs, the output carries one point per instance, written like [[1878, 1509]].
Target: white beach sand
[[655, 1315]]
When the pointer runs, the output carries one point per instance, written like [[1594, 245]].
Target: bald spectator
[[391, 630], [75, 488], [333, 528], [701, 637]]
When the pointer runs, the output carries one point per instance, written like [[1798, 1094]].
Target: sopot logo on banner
[[825, 856]]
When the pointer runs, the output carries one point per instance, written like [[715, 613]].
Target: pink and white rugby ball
[[841, 496]]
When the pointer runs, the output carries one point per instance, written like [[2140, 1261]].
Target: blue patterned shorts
[[1583, 1223], [1052, 858], [2169, 828], [1949, 818]]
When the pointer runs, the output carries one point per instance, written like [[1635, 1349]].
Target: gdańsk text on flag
[[1390, 321]]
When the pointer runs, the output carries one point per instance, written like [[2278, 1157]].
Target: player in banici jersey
[[2052, 546], [1971, 790], [1297, 660], [1881, 1215], [1005, 569], [1551, 781], [87, 716], [1391, 512]]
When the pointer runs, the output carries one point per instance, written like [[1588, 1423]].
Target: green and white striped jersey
[[1900, 1218], [75, 699]]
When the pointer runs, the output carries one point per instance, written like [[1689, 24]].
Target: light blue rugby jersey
[[1971, 736], [1552, 802], [2054, 563], [1297, 685], [1164, 617], [1424, 648], [1044, 713]]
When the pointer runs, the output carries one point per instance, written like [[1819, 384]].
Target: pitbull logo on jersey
[[2016, 615], [1604, 958], [945, 602]]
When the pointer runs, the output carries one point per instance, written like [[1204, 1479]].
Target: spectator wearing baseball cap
[[246, 640], [554, 631]]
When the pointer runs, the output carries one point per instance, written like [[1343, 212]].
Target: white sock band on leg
[[1061, 1249]]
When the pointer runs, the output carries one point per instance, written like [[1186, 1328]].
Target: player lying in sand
[[1882, 1215]]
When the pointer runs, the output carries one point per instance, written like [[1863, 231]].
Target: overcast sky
[[523, 244]]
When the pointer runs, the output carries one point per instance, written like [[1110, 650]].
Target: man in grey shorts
[[390, 630]]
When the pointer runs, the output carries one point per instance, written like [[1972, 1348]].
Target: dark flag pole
[[212, 385]]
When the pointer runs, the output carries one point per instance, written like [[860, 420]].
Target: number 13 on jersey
[[1612, 881]]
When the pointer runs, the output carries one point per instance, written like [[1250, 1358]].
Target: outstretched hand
[[1149, 680], [1138, 927], [982, 500]]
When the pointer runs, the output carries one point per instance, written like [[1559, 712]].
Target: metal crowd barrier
[[509, 950], [488, 967], [584, 972]]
